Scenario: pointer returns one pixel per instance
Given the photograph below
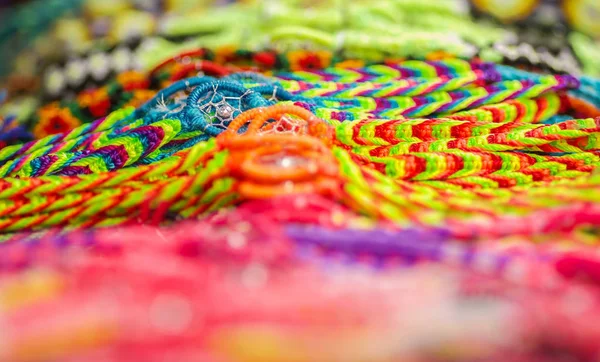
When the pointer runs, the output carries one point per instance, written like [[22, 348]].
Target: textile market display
[[303, 187]]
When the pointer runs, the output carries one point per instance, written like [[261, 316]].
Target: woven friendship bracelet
[[58, 118], [247, 188]]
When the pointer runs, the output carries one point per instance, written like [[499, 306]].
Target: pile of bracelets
[[300, 180]]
